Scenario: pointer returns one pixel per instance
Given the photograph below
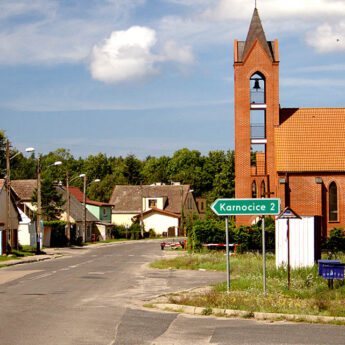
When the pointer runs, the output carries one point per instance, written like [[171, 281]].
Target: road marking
[[41, 276], [96, 273]]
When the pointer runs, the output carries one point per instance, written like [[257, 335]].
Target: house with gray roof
[[157, 206]]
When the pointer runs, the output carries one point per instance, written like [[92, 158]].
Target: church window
[[333, 202], [257, 89], [254, 193]]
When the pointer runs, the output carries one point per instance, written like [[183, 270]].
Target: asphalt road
[[95, 296]]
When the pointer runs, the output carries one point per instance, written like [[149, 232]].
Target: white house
[[159, 205]]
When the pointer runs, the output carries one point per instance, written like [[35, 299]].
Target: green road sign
[[230, 207]]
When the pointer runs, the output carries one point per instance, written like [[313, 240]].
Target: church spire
[[256, 31]]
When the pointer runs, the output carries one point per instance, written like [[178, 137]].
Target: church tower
[[256, 78]]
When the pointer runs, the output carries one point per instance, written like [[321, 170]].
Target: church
[[294, 154]]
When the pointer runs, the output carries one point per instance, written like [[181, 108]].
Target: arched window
[[254, 189], [257, 88], [333, 202], [263, 189]]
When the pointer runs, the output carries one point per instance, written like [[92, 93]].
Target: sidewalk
[[52, 253]]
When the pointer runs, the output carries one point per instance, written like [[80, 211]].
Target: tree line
[[211, 175]]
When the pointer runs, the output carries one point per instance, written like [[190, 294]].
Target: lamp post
[[39, 203], [182, 209], [68, 207], [84, 200], [8, 194]]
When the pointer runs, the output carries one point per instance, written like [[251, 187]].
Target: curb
[[246, 314], [27, 261]]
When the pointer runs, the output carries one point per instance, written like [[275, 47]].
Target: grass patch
[[308, 293], [208, 262], [18, 253]]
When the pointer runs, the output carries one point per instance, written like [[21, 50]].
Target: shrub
[[250, 238], [152, 233], [135, 231], [119, 231], [336, 241]]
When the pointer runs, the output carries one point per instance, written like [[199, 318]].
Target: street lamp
[[84, 201], [182, 209], [8, 194], [68, 225], [39, 203]]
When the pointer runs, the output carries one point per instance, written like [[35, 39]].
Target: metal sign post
[[227, 254], [264, 253], [288, 214], [236, 207]]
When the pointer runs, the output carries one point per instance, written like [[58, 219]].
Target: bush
[[336, 241], [250, 238], [152, 233], [119, 231], [135, 231]]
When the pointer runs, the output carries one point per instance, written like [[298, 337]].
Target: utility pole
[[182, 227], [141, 210], [39, 207], [84, 208], [8, 199], [68, 225]]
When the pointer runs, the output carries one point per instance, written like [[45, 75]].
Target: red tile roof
[[79, 195], [311, 139]]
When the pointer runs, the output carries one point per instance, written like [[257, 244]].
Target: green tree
[[155, 170], [187, 167], [96, 167], [131, 170], [102, 191], [52, 201]]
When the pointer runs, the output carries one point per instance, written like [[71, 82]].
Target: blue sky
[[151, 76]]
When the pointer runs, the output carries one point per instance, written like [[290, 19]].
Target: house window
[[333, 202], [257, 89], [254, 189], [263, 189], [152, 203], [105, 212], [201, 205]]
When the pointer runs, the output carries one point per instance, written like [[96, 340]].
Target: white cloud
[[177, 53], [124, 56], [128, 55], [53, 32], [327, 38], [277, 10]]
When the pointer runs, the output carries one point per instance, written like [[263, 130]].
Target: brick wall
[[308, 198]]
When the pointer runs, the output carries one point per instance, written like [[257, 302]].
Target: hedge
[[250, 238]]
